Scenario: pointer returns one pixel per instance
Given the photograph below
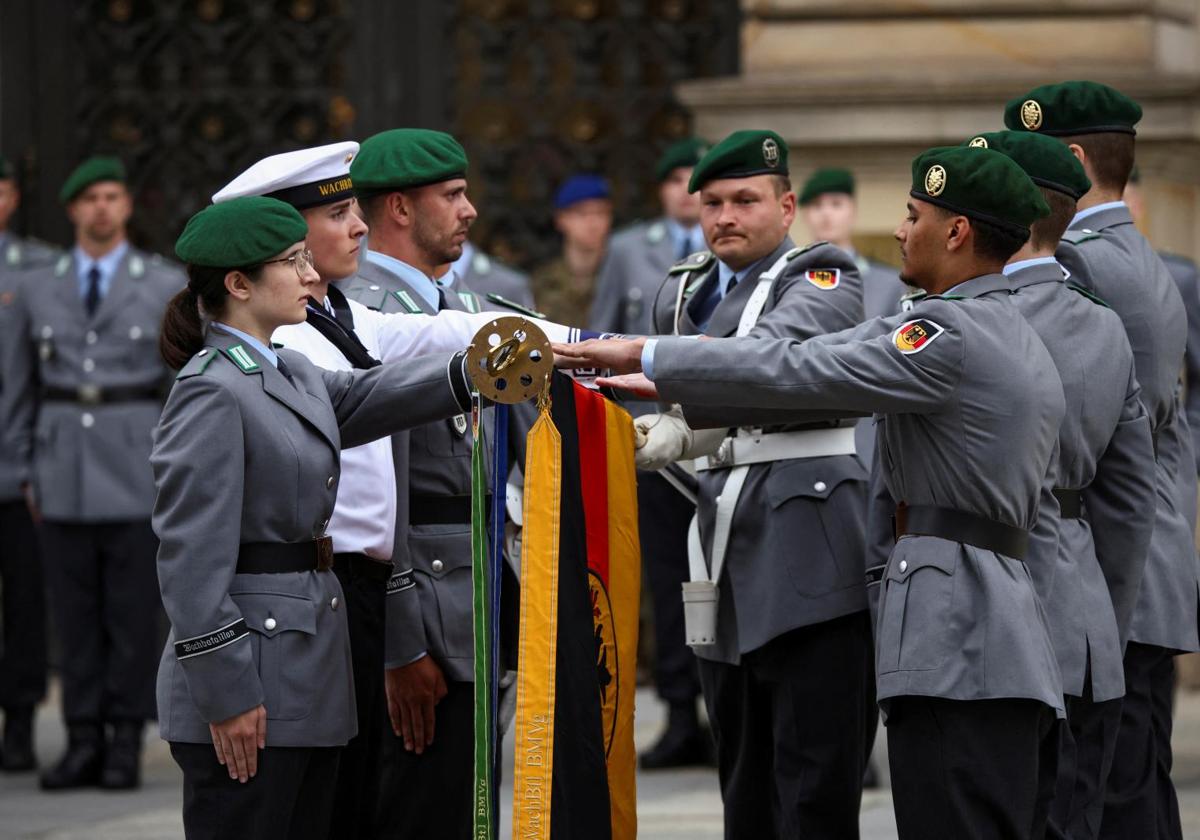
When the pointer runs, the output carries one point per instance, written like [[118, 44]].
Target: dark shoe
[[80, 766], [685, 743], [123, 758], [18, 741]]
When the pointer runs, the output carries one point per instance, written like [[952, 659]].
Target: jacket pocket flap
[[813, 478], [439, 554], [271, 614], [905, 563]]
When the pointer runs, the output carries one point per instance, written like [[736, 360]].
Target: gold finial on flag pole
[[510, 360]]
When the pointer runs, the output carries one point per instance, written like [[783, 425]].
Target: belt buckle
[[324, 554], [89, 394], [723, 457]]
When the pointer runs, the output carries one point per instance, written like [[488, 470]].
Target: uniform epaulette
[[1077, 236], [197, 364], [694, 262], [492, 297], [804, 249], [1094, 298]]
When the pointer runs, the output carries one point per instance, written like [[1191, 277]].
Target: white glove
[[664, 438]]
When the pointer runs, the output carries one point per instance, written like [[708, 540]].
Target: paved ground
[[671, 805]]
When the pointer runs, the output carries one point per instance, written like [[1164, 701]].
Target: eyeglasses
[[301, 261]]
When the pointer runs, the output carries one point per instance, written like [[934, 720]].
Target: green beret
[[741, 155], [406, 157], [240, 232], [91, 171], [978, 183], [686, 152], [1070, 108], [827, 181], [1046, 161]]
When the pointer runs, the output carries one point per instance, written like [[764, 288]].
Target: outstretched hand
[[620, 355], [635, 383]]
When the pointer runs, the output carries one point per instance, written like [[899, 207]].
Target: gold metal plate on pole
[[510, 360]]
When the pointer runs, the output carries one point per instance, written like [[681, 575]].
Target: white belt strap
[[758, 298], [753, 447]]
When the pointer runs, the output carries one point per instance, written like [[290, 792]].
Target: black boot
[[123, 758], [685, 743], [80, 766], [18, 740]]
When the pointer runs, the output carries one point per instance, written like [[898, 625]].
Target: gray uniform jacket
[[429, 597], [488, 276], [882, 292], [1105, 253], [971, 420], [16, 257], [1187, 278], [88, 458], [1105, 450], [767, 587], [242, 456]]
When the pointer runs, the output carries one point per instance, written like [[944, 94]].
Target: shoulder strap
[[1075, 237], [197, 364], [758, 298], [1087, 293]]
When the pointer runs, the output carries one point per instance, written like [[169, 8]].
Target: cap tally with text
[[685, 153], [303, 178], [403, 158], [978, 183], [1068, 108], [1048, 162], [832, 180], [579, 188], [742, 154], [91, 171], [240, 232]]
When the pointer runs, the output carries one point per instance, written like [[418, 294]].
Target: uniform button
[[820, 486], [333, 604], [374, 288], [203, 352], [135, 332], [91, 337], [329, 482], [87, 420], [89, 365], [269, 624], [437, 565], [47, 332], [903, 566]]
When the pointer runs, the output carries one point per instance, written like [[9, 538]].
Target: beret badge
[[935, 180], [978, 143], [1031, 115], [770, 152]]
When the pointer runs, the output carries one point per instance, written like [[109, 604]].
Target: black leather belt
[[1070, 503], [96, 395], [360, 565], [963, 527], [263, 558], [442, 510]]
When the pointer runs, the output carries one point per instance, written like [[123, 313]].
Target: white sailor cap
[[303, 178]]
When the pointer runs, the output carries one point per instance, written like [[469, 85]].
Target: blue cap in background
[[579, 188]]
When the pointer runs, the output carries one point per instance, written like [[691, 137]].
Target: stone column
[[868, 84]]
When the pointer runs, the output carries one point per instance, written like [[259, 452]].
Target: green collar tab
[[469, 300], [406, 300], [240, 356]]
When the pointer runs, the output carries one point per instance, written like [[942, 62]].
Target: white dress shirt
[[364, 515]]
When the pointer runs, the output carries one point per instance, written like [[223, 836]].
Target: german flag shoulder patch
[[914, 336], [824, 278]]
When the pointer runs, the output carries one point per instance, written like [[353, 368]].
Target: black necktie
[[346, 341], [282, 367], [340, 306], [91, 297]]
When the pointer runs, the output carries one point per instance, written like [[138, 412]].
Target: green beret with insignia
[[1069, 108], [824, 181], [240, 232], [91, 171], [406, 157], [742, 154], [686, 153], [978, 183], [1046, 161]]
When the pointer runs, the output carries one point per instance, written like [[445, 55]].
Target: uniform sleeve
[[1185, 275], [1120, 505], [374, 403], [402, 336], [856, 372], [197, 517], [404, 637], [880, 533], [18, 373], [807, 308]]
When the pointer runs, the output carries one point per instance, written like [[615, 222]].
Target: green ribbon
[[483, 825]]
